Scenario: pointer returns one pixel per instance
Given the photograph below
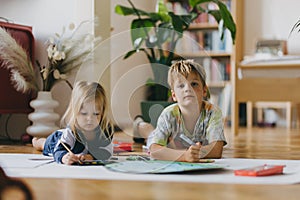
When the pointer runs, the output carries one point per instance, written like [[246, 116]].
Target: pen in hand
[[186, 139], [65, 146], [189, 141]]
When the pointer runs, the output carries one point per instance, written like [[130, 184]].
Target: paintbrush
[[65, 146]]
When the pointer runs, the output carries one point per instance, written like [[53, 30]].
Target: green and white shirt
[[170, 125]]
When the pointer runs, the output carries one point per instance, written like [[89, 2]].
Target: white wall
[[46, 17], [129, 76], [271, 19]]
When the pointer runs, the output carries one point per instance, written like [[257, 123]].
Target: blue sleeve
[[59, 152], [67, 137]]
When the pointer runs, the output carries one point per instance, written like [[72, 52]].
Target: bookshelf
[[202, 43], [264, 86]]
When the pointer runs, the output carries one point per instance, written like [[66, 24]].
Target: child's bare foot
[[141, 129], [137, 138], [38, 143]]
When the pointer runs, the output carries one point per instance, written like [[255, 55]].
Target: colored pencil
[[65, 146]]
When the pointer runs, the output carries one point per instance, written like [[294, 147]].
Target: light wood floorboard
[[263, 143]]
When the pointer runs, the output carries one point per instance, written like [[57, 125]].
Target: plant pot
[[152, 109], [157, 92], [158, 89], [43, 118]]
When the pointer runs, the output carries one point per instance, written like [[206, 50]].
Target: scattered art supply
[[65, 146], [122, 146], [263, 170], [96, 162], [186, 139], [138, 157], [160, 167], [206, 161], [145, 148]]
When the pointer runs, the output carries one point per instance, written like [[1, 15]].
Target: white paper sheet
[[291, 173], [15, 160]]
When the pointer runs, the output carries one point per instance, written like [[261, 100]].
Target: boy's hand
[[193, 153]]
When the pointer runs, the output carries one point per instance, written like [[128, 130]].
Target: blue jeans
[[51, 142]]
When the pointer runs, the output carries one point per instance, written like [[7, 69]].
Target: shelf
[[214, 54], [203, 26], [274, 69]]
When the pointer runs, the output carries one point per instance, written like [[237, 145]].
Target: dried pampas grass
[[15, 59]]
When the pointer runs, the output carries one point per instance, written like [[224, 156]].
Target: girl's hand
[[193, 153], [86, 157], [71, 158]]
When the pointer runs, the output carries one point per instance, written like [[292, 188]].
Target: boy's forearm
[[212, 150], [164, 153]]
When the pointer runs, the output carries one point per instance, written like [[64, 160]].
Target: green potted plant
[[156, 34]]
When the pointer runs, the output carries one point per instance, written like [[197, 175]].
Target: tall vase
[[43, 118]]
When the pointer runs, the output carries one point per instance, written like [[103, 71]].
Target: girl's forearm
[[88, 157]]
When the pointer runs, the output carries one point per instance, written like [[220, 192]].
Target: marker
[[186, 139], [68, 150], [206, 160]]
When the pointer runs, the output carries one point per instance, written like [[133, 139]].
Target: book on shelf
[[179, 8], [204, 32], [182, 7], [222, 99], [200, 41], [216, 70]]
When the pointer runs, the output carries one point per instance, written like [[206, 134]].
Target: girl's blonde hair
[[82, 92], [184, 68]]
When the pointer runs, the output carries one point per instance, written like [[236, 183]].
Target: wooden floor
[[271, 143], [266, 143]]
